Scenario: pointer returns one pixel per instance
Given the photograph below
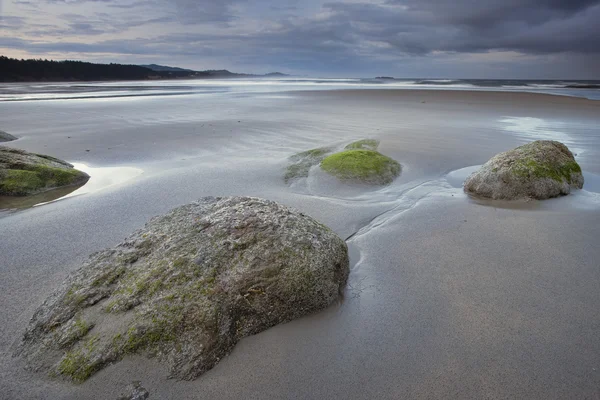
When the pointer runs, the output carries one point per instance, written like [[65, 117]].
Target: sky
[[496, 39]]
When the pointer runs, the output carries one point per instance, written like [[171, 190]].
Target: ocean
[[73, 90]]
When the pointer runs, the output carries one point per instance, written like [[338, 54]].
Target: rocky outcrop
[[538, 170], [23, 173], [6, 137], [187, 287]]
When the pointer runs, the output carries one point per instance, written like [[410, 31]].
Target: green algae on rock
[[364, 144], [23, 173], [363, 166], [187, 288], [540, 170], [304, 161]]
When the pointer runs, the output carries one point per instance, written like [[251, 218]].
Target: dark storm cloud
[[424, 26], [491, 12]]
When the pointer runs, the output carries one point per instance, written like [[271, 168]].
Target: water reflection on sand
[[100, 178]]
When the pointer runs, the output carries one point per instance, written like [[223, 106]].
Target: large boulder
[[187, 287], [538, 170], [23, 173], [6, 137]]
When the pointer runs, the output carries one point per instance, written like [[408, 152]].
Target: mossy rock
[[23, 173], [6, 137], [362, 166], [301, 163], [539, 170], [364, 144], [187, 288]]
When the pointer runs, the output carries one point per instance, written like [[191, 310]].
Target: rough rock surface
[[6, 137], [538, 170], [23, 173], [187, 287]]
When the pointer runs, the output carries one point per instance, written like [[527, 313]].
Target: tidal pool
[[100, 179]]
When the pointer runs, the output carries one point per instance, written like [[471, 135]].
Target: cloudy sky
[[551, 39]]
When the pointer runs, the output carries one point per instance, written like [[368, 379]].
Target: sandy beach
[[448, 297]]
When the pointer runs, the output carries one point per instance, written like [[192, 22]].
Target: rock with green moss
[[301, 163], [6, 137], [187, 287], [539, 170], [23, 173], [364, 144], [362, 166]]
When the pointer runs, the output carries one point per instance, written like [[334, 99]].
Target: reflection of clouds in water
[[539, 129]]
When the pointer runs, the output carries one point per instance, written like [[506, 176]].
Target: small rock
[[134, 391]]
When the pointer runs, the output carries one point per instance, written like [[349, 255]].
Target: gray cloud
[[11, 22], [329, 37], [465, 26]]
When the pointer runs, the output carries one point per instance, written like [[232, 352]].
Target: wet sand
[[447, 297]]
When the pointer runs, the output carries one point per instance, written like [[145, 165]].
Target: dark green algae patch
[[359, 162], [24, 174]]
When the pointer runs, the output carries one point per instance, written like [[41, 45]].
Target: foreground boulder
[[538, 170], [23, 173], [187, 287], [6, 137]]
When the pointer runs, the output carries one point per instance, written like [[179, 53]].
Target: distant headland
[[15, 70]]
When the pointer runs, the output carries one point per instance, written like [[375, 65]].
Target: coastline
[[65, 90], [445, 298]]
